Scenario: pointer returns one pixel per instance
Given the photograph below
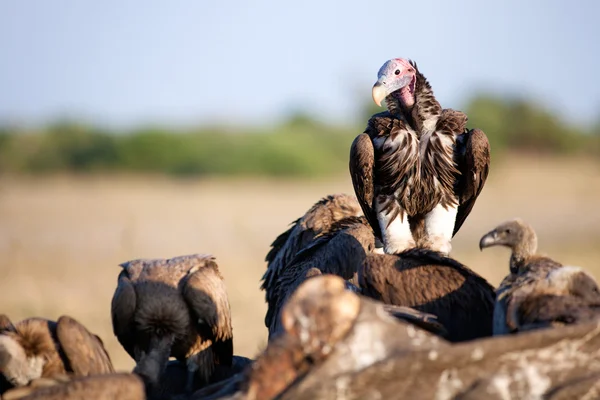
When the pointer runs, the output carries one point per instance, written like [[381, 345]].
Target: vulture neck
[[525, 249], [424, 113]]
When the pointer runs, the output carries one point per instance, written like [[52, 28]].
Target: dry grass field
[[62, 238]]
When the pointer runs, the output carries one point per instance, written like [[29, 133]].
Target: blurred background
[[155, 129]]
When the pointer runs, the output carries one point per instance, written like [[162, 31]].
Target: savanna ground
[[62, 238]]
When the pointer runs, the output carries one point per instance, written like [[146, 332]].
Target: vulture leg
[[395, 228], [439, 226]]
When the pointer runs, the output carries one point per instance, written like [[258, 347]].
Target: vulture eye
[[397, 72], [508, 231]]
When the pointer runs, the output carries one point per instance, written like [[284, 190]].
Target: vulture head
[[515, 234], [398, 78]]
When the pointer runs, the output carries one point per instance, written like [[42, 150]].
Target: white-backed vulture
[[339, 251], [37, 347], [316, 221], [121, 386], [538, 291], [416, 169], [427, 281], [173, 307]]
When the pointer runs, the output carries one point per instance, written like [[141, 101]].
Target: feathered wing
[[473, 151], [426, 280], [362, 164], [205, 293], [336, 252], [85, 351], [317, 220], [5, 324], [123, 307]]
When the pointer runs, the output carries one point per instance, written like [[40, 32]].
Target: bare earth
[[61, 239]]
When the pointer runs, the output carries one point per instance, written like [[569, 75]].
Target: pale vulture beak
[[489, 239], [379, 92]]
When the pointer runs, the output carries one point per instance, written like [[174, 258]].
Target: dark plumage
[[427, 281], [416, 170], [339, 251], [36, 347], [539, 291], [176, 307], [317, 220]]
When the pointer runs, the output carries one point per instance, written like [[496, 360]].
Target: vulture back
[[462, 300]]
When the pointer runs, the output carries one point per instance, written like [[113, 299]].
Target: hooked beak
[[382, 88], [379, 92], [489, 239]]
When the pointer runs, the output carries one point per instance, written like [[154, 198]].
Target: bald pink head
[[397, 76]]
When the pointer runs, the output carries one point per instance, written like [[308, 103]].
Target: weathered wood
[[120, 386], [549, 363], [327, 325]]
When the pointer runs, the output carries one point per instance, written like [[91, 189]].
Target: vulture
[[416, 170], [173, 307], [430, 282], [37, 347], [317, 220], [539, 291], [340, 251], [122, 386]]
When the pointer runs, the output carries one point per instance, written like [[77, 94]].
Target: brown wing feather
[[362, 162], [122, 310], [317, 220], [85, 351], [204, 291], [6, 324], [473, 150], [425, 280]]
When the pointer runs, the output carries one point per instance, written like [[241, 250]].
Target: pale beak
[[489, 239], [379, 93]]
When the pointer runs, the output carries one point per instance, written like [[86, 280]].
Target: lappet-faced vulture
[[539, 291], [416, 169], [175, 307], [36, 347]]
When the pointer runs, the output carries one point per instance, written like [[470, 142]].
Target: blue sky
[[139, 61]]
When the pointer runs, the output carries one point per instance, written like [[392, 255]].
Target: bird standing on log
[[416, 170]]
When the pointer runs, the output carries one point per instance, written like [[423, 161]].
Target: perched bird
[[539, 291], [416, 170], [339, 251], [36, 347], [427, 281], [318, 220], [175, 307]]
